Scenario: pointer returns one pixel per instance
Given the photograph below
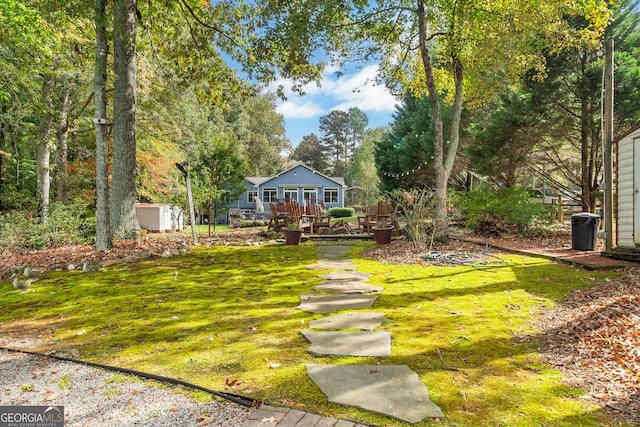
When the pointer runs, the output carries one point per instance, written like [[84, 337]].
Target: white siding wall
[[625, 206]]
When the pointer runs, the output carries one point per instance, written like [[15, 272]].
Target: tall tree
[[45, 144], [554, 125], [358, 122], [122, 212], [103, 227], [260, 131], [474, 42], [311, 152], [404, 154], [505, 138], [334, 134], [363, 175]]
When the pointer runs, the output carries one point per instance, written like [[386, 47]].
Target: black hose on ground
[[240, 400]]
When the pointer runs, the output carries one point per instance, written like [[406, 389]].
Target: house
[[627, 195], [159, 217], [300, 183]]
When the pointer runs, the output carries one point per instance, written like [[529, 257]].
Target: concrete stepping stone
[[329, 255], [334, 249], [393, 390], [315, 303], [365, 320], [357, 276], [331, 343], [338, 287], [346, 265]]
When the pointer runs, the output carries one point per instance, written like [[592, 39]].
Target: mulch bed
[[593, 337]]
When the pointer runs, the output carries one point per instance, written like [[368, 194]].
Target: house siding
[[625, 191], [298, 178]]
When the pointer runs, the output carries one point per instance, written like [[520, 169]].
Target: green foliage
[[252, 223], [510, 203], [341, 212], [363, 175], [64, 225], [504, 141], [406, 150], [312, 153], [417, 211]]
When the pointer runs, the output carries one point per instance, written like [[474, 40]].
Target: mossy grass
[[228, 321]]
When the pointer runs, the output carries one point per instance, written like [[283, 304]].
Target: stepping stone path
[[367, 321], [315, 303], [346, 265], [393, 390], [338, 287], [327, 343]]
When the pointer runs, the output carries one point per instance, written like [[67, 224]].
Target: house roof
[[259, 180], [627, 133]]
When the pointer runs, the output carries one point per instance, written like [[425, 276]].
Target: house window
[[331, 195], [270, 195], [291, 193], [310, 195], [251, 196]]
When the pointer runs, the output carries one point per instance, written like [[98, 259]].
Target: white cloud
[[299, 110], [337, 93]]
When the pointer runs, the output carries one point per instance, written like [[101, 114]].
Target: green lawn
[[231, 314]]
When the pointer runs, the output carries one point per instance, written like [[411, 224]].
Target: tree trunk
[[62, 177], [103, 229], [43, 175], [2, 140], [124, 223], [442, 165]]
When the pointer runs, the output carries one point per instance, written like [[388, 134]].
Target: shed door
[[636, 191]]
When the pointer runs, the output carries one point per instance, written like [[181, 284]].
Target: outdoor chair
[[319, 219], [277, 221], [369, 219], [383, 214], [295, 215]]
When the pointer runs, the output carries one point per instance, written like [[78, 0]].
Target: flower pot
[[382, 234], [292, 236]]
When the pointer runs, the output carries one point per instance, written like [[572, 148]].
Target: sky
[[356, 88]]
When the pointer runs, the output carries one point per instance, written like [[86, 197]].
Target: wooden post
[[608, 146], [560, 210], [184, 168], [213, 171]]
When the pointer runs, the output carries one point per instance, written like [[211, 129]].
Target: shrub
[[251, 223], [341, 212], [512, 204], [417, 210], [65, 225]]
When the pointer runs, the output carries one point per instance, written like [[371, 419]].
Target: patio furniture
[[277, 220], [369, 219], [377, 214], [295, 214], [318, 218]]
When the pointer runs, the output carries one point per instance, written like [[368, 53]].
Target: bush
[[252, 223], [417, 211], [341, 212], [65, 225], [513, 205]]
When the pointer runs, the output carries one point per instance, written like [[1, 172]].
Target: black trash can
[[584, 231]]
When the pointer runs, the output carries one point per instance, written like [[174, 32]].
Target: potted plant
[[292, 234], [382, 232]]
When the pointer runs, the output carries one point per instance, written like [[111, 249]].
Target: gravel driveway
[[97, 397]]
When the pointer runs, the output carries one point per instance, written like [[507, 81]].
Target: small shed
[[627, 196], [159, 217]]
